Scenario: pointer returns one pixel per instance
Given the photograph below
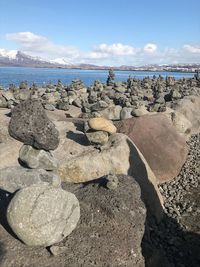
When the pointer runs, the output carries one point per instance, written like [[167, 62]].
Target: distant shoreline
[[102, 68]]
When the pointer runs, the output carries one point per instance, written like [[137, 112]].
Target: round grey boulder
[[42, 215]]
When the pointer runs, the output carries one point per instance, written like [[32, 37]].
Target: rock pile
[[113, 100], [82, 186]]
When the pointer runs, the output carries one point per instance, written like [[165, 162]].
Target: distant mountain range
[[20, 59]]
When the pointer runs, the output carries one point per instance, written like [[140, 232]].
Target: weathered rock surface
[[41, 215], [118, 156], [163, 148], [15, 178], [111, 113], [37, 158], [190, 108], [102, 124], [111, 225], [30, 125], [97, 137]]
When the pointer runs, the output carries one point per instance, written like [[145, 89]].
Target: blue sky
[[103, 32]]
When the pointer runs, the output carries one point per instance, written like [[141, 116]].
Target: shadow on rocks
[[78, 138], [5, 198], [168, 245], [164, 244]]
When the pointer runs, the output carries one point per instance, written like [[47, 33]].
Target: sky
[[103, 32]]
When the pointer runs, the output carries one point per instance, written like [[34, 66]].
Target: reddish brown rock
[[163, 148]]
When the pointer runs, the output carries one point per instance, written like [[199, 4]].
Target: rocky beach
[[100, 175]]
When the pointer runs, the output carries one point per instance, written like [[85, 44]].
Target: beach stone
[[42, 215], [3, 102], [111, 226], [111, 113], [50, 107], [37, 158], [189, 106], [30, 125], [15, 178], [102, 124], [126, 113], [140, 111], [97, 137], [164, 149]]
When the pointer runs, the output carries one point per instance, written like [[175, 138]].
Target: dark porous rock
[[111, 226], [30, 125]]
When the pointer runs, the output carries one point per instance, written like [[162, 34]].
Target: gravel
[[177, 238]]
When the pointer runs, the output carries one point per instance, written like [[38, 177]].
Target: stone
[[137, 112], [42, 215], [118, 156], [97, 137], [3, 102], [37, 158], [111, 227], [102, 124], [112, 181], [111, 113], [126, 113], [30, 125], [100, 105], [181, 123], [163, 148], [57, 250], [175, 94], [63, 106], [15, 178], [189, 106], [50, 107]]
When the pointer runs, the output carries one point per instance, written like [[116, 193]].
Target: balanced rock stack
[[99, 130], [41, 213], [30, 125]]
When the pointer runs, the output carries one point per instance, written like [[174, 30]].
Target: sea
[[42, 76]]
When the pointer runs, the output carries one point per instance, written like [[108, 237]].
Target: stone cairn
[[40, 213]]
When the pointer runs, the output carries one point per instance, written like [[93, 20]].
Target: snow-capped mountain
[[18, 58], [61, 61], [10, 54]]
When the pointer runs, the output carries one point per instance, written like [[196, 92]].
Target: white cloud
[[37, 45], [115, 49], [192, 49], [150, 48], [104, 54]]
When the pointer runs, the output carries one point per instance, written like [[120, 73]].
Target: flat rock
[[163, 148], [102, 124], [15, 178], [37, 158], [42, 215], [30, 125]]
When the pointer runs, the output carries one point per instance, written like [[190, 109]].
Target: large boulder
[[41, 215], [190, 107], [30, 125], [163, 148], [80, 162], [111, 227]]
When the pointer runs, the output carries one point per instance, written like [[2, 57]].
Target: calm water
[[41, 76]]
